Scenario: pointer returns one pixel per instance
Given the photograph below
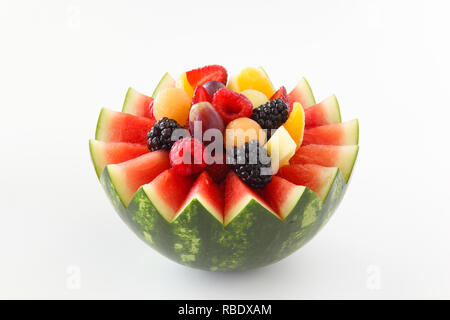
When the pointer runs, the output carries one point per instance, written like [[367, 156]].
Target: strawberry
[[200, 76], [200, 95], [282, 94]]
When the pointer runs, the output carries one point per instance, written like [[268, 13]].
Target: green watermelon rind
[[254, 238], [95, 158], [166, 82], [332, 105], [129, 102]]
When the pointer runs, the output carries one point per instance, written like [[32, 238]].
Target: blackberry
[[160, 136], [251, 163], [271, 115]]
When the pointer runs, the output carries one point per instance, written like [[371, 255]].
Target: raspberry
[[271, 115], [187, 156], [200, 95], [231, 105], [160, 136], [282, 94], [200, 76]]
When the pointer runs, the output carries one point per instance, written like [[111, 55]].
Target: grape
[[204, 114], [213, 86]]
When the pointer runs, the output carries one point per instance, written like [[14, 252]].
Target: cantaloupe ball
[[173, 103], [257, 98], [243, 130]]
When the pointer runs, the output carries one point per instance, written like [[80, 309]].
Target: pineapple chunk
[[280, 147], [257, 98], [295, 124]]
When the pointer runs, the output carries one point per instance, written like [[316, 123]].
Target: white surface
[[387, 62]]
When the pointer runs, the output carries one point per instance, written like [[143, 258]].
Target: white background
[[387, 62]]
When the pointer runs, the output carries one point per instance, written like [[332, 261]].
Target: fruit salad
[[225, 172]]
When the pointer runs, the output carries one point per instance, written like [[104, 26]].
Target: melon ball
[[243, 130], [172, 103]]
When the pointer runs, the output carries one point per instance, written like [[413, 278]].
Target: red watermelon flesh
[[282, 195], [115, 126], [312, 176], [208, 193], [342, 157], [323, 113], [168, 192], [104, 153], [237, 195], [138, 104], [128, 176], [302, 93], [337, 134]]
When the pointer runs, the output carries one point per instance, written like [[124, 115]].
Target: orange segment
[[295, 124], [183, 83], [252, 78]]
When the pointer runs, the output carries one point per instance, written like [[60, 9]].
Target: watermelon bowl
[[227, 225]]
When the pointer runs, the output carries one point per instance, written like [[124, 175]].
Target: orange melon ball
[[243, 130], [172, 103]]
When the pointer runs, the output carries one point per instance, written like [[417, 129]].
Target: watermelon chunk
[[317, 178], [128, 176], [338, 134], [302, 93], [168, 191], [166, 82], [343, 157], [115, 126], [282, 195], [208, 193], [137, 104], [104, 153], [323, 113], [237, 197]]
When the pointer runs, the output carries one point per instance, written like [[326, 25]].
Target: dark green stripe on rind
[[123, 212], [254, 238]]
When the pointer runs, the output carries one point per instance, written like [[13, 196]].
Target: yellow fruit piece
[[232, 84], [243, 130], [280, 147], [252, 78], [257, 98], [295, 124], [173, 103], [183, 83]]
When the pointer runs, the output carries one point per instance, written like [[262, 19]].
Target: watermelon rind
[[102, 122], [332, 106], [347, 162], [166, 82], [352, 132], [97, 158], [254, 237], [129, 99]]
